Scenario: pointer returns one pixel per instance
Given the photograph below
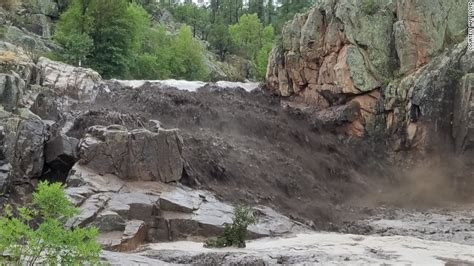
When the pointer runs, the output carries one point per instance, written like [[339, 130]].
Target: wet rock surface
[[316, 248], [130, 213], [441, 236], [454, 224]]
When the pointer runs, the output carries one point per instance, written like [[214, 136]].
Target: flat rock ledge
[[131, 213]]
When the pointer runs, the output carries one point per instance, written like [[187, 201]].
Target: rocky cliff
[[152, 161], [400, 67], [121, 166]]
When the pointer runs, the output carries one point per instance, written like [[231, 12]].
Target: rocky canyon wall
[[402, 66]]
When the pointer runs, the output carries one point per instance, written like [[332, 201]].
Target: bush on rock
[[235, 233], [36, 233]]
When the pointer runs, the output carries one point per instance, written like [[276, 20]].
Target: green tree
[[153, 60], [246, 35], [76, 48], [220, 40], [250, 35], [140, 24], [194, 16], [114, 34], [188, 57], [116, 28], [270, 12], [261, 61], [257, 7], [62, 4], [72, 33], [254, 41], [37, 232]]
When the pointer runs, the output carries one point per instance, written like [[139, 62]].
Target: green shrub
[[262, 60], [369, 7], [235, 233], [36, 233], [3, 31]]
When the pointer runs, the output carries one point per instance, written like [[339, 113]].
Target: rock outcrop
[[463, 127], [11, 90], [135, 155], [13, 59], [388, 57], [419, 108], [131, 212], [24, 147], [36, 16], [75, 82], [34, 97]]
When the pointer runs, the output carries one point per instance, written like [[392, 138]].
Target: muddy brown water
[[244, 146]]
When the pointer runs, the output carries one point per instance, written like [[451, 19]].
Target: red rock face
[[314, 61], [339, 53]]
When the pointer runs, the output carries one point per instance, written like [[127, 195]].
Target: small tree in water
[[36, 234], [235, 233]]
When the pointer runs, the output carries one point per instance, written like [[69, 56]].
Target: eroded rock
[[66, 80], [24, 147], [130, 213], [133, 236], [423, 28], [47, 106], [4, 176], [133, 155], [89, 210], [420, 105], [11, 90], [351, 48], [61, 153], [463, 127]]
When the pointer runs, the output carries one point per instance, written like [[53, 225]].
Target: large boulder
[[75, 82], [38, 24], [11, 90], [32, 44], [47, 105], [104, 118], [24, 146], [419, 107], [133, 155], [339, 49]]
